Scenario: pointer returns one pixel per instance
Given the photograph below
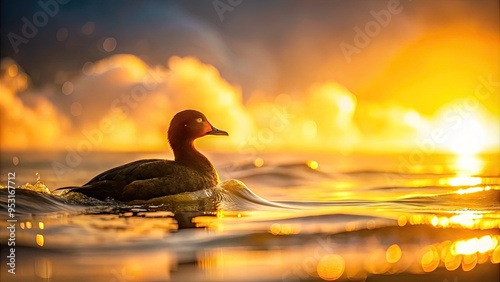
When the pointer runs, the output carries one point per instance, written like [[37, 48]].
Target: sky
[[336, 76]]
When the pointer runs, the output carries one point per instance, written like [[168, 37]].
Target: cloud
[[30, 122], [121, 103]]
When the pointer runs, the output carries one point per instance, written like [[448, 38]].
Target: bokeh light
[[393, 254], [331, 267], [40, 240]]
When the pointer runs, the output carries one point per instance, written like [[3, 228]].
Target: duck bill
[[216, 131]]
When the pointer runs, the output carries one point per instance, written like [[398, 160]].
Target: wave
[[229, 195]]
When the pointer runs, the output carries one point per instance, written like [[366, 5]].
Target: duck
[[151, 178]]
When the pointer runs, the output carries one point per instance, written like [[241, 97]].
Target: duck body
[[151, 178]]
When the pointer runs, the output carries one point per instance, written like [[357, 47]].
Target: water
[[275, 217]]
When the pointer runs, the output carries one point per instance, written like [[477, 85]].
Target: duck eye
[[199, 120]]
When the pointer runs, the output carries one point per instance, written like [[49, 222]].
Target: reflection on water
[[467, 167], [312, 220]]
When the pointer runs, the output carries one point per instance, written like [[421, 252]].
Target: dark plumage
[[145, 179]]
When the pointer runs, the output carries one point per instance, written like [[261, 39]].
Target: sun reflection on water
[[467, 166]]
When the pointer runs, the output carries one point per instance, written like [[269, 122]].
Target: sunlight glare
[[469, 138], [466, 166], [486, 244], [412, 118], [469, 164], [466, 219], [466, 247], [346, 104], [470, 190]]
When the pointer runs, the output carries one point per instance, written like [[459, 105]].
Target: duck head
[[188, 125]]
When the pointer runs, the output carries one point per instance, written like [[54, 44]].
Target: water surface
[[274, 217]]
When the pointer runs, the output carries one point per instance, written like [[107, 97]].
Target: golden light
[[284, 229], [486, 244], [466, 247], [133, 270], [393, 254], [466, 219], [429, 259], [495, 256], [466, 165], [40, 241], [452, 261], [413, 118], [312, 164], [41, 225], [465, 132], [469, 138], [309, 129], [482, 258], [469, 164], [444, 221], [472, 189], [346, 104], [275, 228], [469, 262], [258, 162], [435, 221], [350, 226], [402, 220], [471, 246], [331, 267], [454, 57]]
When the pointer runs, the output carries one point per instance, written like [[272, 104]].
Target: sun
[[469, 138], [465, 132]]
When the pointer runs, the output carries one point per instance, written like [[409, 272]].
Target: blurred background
[[279, 76]]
